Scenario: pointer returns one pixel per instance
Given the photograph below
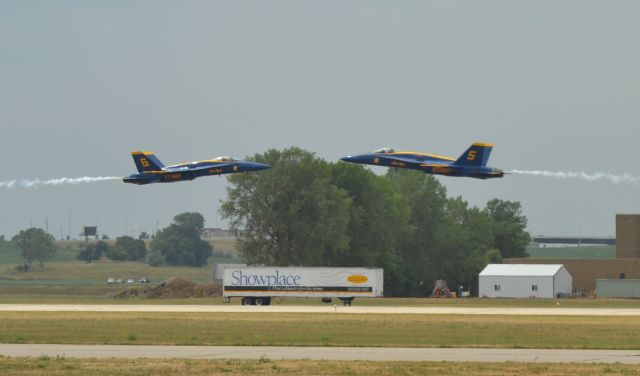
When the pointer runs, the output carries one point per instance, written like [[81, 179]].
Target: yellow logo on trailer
[[357, 278]]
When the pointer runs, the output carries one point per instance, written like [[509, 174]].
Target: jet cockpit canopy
[[385, 150], [225, 159]]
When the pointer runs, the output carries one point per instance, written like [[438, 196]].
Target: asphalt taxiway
[[324, 353]]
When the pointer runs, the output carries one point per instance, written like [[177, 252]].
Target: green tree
[[492, 256], [116, 254], [508, 228], [180, 243], [450, 240], [291, 214], [154, 257], [467, 242], [134, 248], [378, 220], [102, 247], [93, 252], [421, 252], [35, 245]]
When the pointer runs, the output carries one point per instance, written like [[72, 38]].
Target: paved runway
[[325, 353], [555, 311]]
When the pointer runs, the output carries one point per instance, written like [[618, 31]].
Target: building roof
[[521, 270], [575, 240]]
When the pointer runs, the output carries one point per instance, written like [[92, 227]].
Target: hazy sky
[[555, 85]]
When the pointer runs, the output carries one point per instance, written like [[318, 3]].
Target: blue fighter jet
[[472, 164], [151, 170]]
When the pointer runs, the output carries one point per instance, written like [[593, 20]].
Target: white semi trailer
[[257, 285]]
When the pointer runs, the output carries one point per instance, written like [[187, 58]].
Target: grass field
[[67, 250], [65, 276], [100, 294], [265, 366], [287, 329], [594, 252], [10, 254], [83, 273]]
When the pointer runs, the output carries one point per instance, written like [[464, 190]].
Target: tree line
[[305, 211], [177, 244]]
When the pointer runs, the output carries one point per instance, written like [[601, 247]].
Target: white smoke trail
[[35, 183], [596, 176]]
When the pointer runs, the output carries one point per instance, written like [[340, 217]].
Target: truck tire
[[263, 301], [346, 301]]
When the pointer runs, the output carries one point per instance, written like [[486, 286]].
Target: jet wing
[[398, 161], [416, 161], [428, 159]]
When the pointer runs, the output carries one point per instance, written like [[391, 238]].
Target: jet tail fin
[[477, 155], [146, 161]]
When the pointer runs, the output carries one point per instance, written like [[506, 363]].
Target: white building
[[524, 281]]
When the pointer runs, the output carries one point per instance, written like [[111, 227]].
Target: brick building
[[626, 265]]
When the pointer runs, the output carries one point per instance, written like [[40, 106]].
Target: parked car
[[130, 280], [111, 280], [144, 280], [119, 280]]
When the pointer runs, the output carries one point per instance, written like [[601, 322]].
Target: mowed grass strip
[[271, 329], [100, 271], [114, 366], [102, 294]]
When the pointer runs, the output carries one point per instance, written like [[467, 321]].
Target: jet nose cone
[[349, 158], [261, 166], [255, 166]]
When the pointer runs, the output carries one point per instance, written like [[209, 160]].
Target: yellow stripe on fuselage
[[214, 161], [433, 165], [420, 154], [198, 162]]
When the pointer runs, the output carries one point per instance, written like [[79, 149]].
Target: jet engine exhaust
[[626, 179], [36, 183]]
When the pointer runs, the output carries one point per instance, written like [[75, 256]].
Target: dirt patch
[[174, 288]]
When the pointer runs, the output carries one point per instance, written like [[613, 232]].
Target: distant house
[[525, 281], [218, 233]]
